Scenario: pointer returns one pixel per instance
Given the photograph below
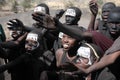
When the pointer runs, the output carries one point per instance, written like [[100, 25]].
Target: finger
[[40, 24], [13, 22], [19, 22], [37, 16], [38, 19]]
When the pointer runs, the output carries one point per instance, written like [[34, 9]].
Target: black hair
[[108, 5], [46, 7]]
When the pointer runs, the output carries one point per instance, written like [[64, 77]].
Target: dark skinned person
[[12, 49], [103, 28], [16, 23], [92, 36], [48, 36], [72, 17], [113, 53], [33, 60], [76, 51], [93, 6]]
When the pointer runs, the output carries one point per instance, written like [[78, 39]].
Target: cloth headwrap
[[74, 11], [40, 9], [32, 36]]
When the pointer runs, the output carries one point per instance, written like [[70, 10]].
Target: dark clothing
[[11, 52], [97, 38], [114, 47], [115, 67], [47, 75], [103, 29], [106, 74]]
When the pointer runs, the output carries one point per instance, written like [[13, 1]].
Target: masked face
[[84, 57], [70, 16], [31, 42]]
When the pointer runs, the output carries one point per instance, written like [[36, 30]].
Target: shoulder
[[59, 52]]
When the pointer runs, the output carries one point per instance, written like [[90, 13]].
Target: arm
[[104, 61], [13, 44], [49, 22], [101, 64], [94, 10], [3, 53], [59, 13], [12, 63]]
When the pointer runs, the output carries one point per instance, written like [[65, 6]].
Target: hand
[[14, 23], [93, 7], [44, 20], [59, 13]]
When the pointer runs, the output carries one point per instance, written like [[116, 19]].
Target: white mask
[[84, 52], [32, 36], [70, 12], [40, 9]]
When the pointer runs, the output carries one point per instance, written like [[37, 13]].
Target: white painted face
[[31, 42], [70, 12], [40, 9], [84, 52]]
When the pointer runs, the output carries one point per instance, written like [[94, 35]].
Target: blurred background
[[22, 9]]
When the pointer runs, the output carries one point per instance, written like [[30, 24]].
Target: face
[[67, 42], [84, 57], [31, 42], [69, 19], [15, 32], [105, 15], [106, 9], [70, 16], [114, 28]]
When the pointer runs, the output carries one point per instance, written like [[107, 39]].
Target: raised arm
[[94, 10]]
